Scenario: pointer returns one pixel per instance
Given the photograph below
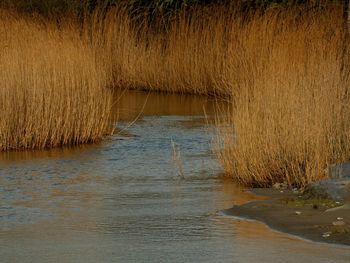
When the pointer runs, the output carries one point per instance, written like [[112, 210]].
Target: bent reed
[[53, 92]]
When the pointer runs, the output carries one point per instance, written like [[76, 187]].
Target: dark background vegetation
[[164, 7]]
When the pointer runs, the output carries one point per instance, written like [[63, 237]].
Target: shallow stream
[[125, 201]]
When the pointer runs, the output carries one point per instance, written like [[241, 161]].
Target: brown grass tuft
[[52, 90], [291, 107]]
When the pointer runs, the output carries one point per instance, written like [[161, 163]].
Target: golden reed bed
[[52, 91], [284, 71], [288, 74]]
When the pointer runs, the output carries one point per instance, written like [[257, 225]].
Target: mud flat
[[319, 219]]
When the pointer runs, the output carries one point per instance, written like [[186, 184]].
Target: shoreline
[[289, 213]]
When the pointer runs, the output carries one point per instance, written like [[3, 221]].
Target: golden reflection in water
[[253, 230], [234, 194], [55, 153], [130, 104]]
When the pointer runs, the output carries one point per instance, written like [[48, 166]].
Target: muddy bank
[[290, 212]]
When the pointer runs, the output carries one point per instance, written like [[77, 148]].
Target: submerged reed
[[52, 90]]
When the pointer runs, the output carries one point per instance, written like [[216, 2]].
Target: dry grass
[[291, 107], [52, 90], [186, 57], [280, 69]]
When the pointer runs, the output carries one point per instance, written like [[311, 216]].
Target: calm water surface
[[123, 201]]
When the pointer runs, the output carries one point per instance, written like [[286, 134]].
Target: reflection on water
[[122, 201], [129, 104]]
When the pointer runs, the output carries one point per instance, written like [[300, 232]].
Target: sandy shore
[[290, 212]]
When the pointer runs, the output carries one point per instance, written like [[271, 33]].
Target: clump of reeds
[[52, 88], [186, 55], [290, 118]]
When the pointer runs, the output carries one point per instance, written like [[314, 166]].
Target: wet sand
[[289, 212]]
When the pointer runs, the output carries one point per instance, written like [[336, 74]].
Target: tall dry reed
[[185, 56], [280, 68], [290, 114], [52, 90]]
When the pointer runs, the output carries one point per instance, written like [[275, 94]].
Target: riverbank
[[290, 212]]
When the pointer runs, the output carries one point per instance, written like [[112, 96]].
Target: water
[[124, 201]]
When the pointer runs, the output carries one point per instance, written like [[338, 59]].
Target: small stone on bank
[[326, 234], [338, 223], [280, 186], [277, 186]]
